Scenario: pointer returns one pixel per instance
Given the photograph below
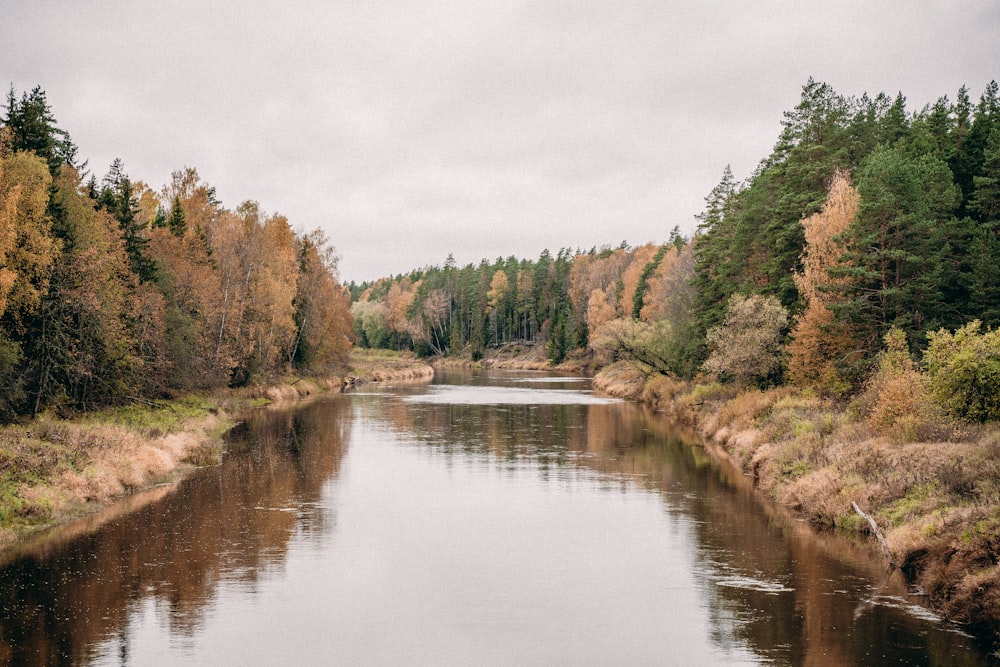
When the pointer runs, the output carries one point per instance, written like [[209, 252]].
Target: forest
[[869, 231], [112, 292]]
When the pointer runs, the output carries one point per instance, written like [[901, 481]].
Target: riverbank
[[517, 356], [54, 470], [936, 499]]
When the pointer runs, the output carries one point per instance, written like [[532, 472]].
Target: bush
[[747, 347], [898, 404], [963, 371]]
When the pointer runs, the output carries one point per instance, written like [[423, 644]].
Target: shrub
[[747, 347], [963, 371], [897, 401]]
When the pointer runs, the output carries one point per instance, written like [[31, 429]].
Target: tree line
[[867, 220], [112, 292]]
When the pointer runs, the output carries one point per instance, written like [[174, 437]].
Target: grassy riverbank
[[53, 470], [935, 497], [517, 356]]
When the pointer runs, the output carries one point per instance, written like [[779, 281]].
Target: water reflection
[[771, 583], [498, 526], [230, 523]]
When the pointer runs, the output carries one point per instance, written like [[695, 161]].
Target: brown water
[[505, 519]]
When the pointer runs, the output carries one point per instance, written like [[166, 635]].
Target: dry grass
[[622, 380], [385, 365], [52, 469]]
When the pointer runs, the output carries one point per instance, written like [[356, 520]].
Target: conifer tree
[[175, 221]]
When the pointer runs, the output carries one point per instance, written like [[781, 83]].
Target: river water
[[484, 519]]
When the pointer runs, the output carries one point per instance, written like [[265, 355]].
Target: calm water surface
[[491, 519]]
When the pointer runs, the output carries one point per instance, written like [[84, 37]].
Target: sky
[[409, 131]]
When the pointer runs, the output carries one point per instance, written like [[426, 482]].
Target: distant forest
[[867, 226], [111, 292], [865, 219]]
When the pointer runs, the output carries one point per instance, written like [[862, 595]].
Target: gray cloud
[[409, 130]]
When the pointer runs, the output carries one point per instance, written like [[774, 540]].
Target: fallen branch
[[877, 531]]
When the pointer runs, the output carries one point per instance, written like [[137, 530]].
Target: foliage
[[746, 348], [963, 371], [821, 347], [106, 299], [897, 401]]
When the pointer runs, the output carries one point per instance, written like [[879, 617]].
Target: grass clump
[[29, 459], [155, 417]]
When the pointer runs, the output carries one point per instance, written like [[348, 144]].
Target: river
[[484, 519]]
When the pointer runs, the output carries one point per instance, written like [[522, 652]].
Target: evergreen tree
[[647, 271], [175, 221], [892, 247], [33, 128], [117, 196]]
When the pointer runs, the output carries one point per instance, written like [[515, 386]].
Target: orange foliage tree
[[631, 276], [820, 342], [325, 331]]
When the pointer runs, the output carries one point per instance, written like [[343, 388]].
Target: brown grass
[[67, 468], [622, 380], [386, 366]]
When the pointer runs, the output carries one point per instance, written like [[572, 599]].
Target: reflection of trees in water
[[223, 524], [761, 555], [752, 556]]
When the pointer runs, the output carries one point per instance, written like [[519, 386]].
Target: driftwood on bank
[[877, 531]]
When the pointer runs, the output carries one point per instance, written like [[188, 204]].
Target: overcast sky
[[411, 130]]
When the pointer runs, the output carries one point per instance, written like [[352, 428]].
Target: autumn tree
[[594, 270], [746, 348], [27, 254], [369, 323], [83, 352], [821, 345], [495, 298], [642, 343], [634, 277], [256, 260], [642, 268], [27, 249], [324, 332], [599, 310], [398, 301], [194, 295]]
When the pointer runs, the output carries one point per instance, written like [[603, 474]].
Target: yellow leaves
[[397, 304], [823, 247], [820, 342], [642, 256], [599, 310], [669, 292], [499, 286], [27, 249], [324, 311]]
